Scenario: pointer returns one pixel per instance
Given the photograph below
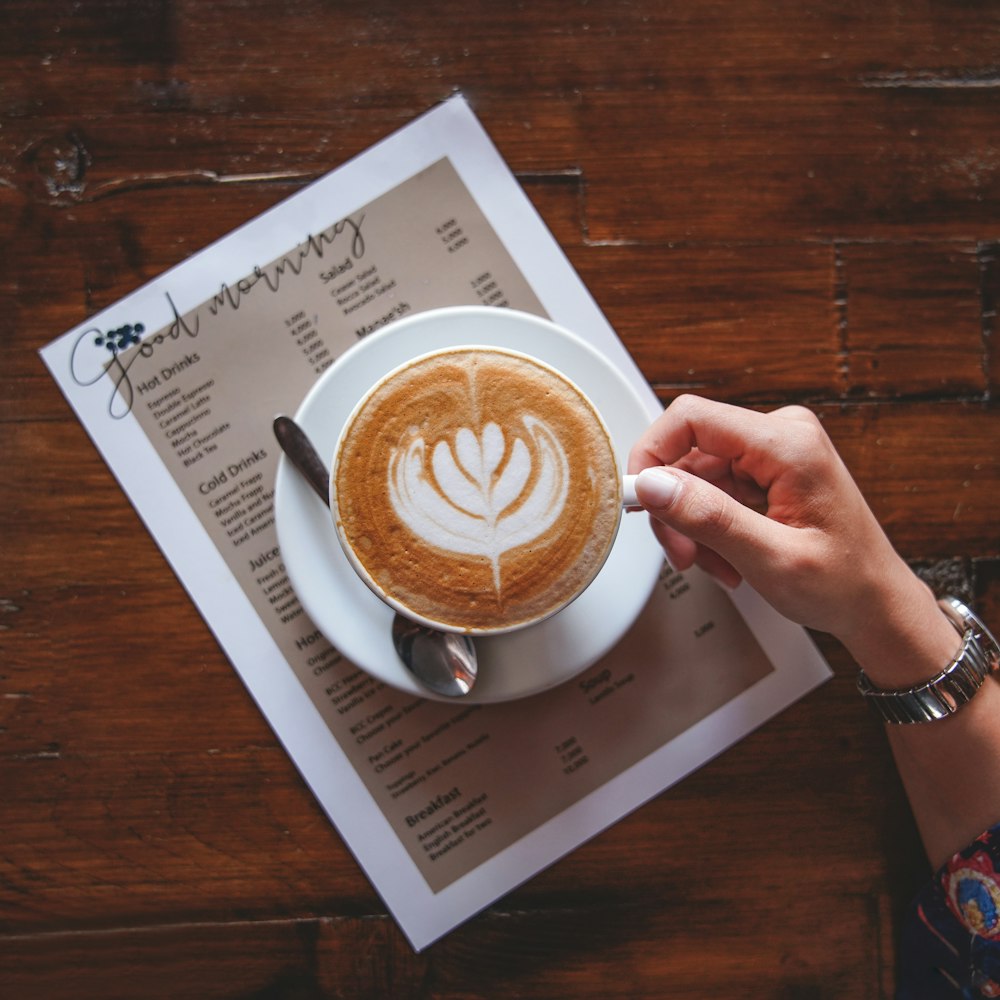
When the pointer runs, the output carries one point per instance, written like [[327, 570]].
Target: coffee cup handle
[[629, 500]]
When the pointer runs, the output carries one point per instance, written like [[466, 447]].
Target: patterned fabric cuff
[[951, 943]]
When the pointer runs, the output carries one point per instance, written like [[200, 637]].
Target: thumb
[[710, 517]]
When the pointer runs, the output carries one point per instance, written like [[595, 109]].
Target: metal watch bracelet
[[948, 691]]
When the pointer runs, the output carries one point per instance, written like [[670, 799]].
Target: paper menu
[[177, 384]]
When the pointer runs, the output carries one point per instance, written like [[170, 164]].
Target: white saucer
[[355, 621]]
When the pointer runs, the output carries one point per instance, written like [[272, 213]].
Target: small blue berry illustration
[[118, 340]]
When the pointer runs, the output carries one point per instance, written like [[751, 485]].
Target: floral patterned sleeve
[[951, 943]]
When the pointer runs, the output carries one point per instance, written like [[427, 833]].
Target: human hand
[[765, 497]]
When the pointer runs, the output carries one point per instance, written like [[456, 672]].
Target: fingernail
[[657, 487]]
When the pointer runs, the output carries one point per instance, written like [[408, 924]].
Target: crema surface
[[478, 488]]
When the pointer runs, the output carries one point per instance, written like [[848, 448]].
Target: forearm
[[950, 768], [951, 772]]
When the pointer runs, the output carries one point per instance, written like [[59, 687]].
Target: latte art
[[475, 500], [476, 488]]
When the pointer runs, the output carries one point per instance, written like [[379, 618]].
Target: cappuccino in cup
[[476, 489]]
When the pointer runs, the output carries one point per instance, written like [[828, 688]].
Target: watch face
[[988, 647]]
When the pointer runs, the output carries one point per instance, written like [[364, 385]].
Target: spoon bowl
[[447, 659], [443, 662]]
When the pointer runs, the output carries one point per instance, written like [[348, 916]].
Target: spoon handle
[[303, 455]]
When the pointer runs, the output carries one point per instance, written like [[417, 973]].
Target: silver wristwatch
[[945, 694]]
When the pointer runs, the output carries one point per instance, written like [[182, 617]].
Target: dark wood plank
[[743, 323], [280, 957], [913, 320], [855, 163], [934, 499], [638, 951]]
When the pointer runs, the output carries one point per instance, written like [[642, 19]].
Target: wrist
[[953, 687], [902, 638]]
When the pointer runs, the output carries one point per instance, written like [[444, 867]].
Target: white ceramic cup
[[625, 498]]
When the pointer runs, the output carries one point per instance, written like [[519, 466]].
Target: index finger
[[733, 433]]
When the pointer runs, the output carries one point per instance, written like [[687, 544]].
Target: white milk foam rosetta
[[477, 488], [467, 503]]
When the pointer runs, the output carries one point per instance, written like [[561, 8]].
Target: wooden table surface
[[772, 201]]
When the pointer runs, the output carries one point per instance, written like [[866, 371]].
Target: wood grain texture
[[773, 202]]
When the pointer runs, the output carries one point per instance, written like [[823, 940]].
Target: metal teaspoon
[[444, 662]]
